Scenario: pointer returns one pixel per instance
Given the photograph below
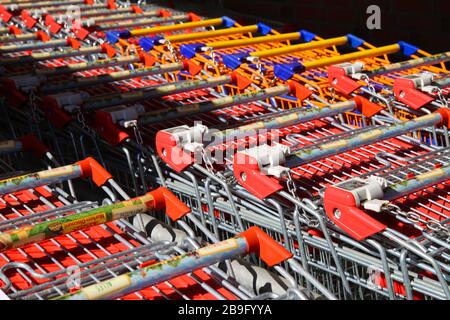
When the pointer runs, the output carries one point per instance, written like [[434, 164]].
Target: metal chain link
[[82, 121], [140, 142], [441, 96], [333, 95], [171, 50], [272, 82], [207, 161], [137, 133], [292, 188], [370, 86], [210, 167], [258, 65], [33, 107], [133, 50], [213, 56], [415, 218]]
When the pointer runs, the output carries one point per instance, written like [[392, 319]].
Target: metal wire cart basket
[[149, 153]]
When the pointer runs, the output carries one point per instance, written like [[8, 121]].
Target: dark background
[[425, 24]]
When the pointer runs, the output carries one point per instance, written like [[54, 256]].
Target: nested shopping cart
[[126, 115], [169, 42], [285, 71], [407, 89], [36, 16], [33, 90], [26, 83], [260, 164], [75, 24], [249, 62], [65, 249], [256, 130], [23, 82], [28, 47], [77, 84]]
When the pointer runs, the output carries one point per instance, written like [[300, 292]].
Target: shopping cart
[[31, 82], [253, 240], [169, 47], [402, 80], [258, 184], [46, 269], [253, 130], [99, 29], [32, 16], [142, 118], [26, 80], [73, 22]]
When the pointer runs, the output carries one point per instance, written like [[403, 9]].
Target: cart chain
[[292, 188], [82, 121], [415, 218], [172, 52], [137, 133], [133, 50], [40, 20], [333, 95], [209, 166], [370, 86], [441, 96], [33, 107], [213, 56], [258, 65], [65, 24], [272, 82]]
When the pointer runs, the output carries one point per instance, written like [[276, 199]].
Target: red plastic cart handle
[[108, 130], [27, 19], [164, 199], [42, 36], [240, 81], [112, 4], [109, 50], [5, 15], [270, 251], [406, 92], [14, 30], [247, 172], [164, 13], [340, 81], [136, 9], [299, 91], [171, 153], [90, 168], [51, 24], [366, 107], [54, 114], [191, 67], [341, 207], [445, 114]]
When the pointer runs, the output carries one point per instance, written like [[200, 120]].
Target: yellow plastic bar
[[256, 40], [352, 56], [211, 34], [300, 47], [175, 27]]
